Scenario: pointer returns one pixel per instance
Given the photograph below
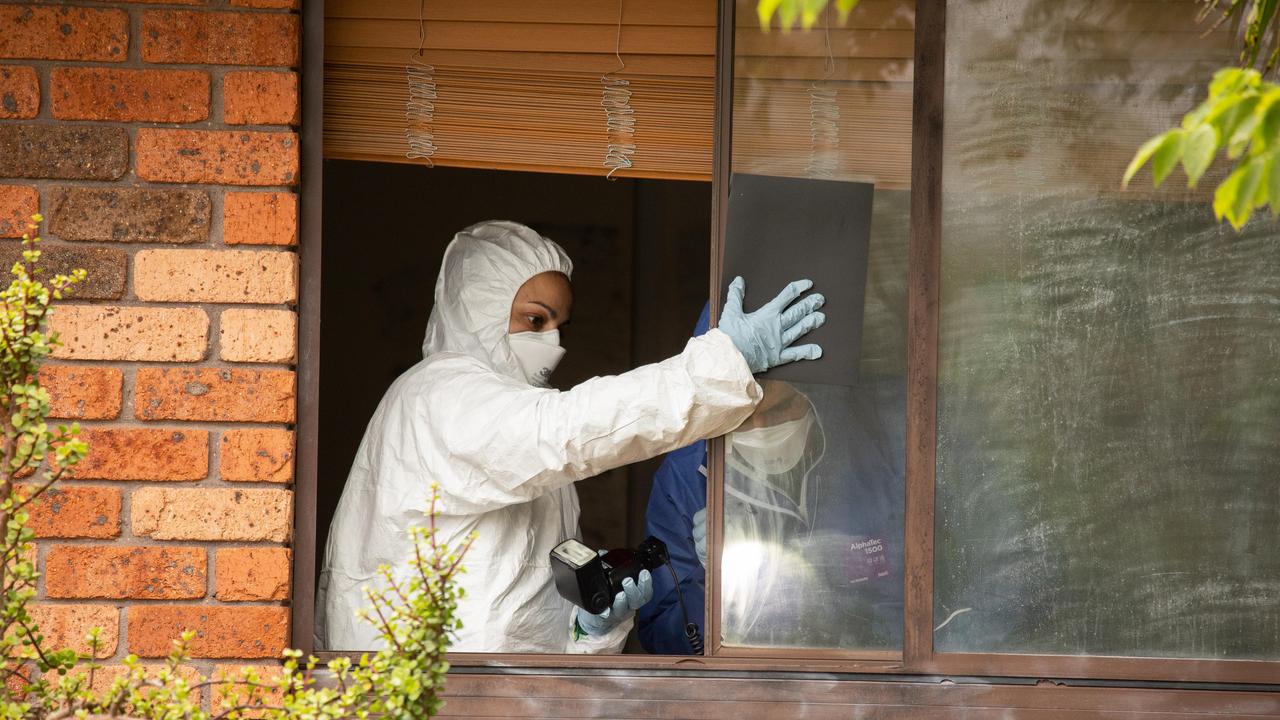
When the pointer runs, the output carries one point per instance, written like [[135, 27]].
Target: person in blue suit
[[814, 504]]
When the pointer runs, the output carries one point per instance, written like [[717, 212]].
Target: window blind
[[518, 85]]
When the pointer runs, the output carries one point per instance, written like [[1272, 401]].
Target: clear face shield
[[769, 457]]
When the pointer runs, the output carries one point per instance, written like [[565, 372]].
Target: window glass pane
[[814, 480], [1109, 398]]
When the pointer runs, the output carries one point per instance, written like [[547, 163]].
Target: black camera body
[[592, 581]]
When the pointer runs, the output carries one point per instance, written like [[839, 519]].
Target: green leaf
[[1167, 155], [810, 9], [1141, 157], [788, 13], [765, 10], [1232, 80], [1234, 198], [1243, 133], [844, 7], [1198, 151]]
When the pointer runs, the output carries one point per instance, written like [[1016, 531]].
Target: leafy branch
[[417, 616], [806, 12]]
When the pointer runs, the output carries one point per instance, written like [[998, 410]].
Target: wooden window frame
[[917, 657]]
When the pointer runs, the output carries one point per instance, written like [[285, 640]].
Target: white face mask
[[773, 449], [538, 354]]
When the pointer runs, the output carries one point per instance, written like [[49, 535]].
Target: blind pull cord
[[620, 118], [824, 117], [420, 108]]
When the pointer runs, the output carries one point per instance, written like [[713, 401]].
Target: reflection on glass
[[1109, 401], [814, 480], [813, 520]]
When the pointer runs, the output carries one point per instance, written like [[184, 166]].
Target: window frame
[[917, 657]]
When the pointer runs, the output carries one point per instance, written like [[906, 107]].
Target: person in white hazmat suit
[[476, 417]]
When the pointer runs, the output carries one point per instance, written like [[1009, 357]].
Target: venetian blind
[[518, 84]]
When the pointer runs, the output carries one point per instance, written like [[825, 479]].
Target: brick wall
[[158, 139]]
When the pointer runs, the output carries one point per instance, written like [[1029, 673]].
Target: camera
[[591, 581]]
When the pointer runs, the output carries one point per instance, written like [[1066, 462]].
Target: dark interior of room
[[641, 264]]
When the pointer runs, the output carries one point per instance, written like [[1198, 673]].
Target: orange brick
[[144, 454], [262, 336], [17, 204], [260, 219], [108, 332], [219, 157], [221, 276], [19, 92], [257, 455], [66, 626], [252, 573], [213, 514], [82, 393], [76, 511], [120, 572], [221, 632], [63, 33], [220, 38], [107, 674], [260, 98], [235, 692], [218, 395], [86, 93]]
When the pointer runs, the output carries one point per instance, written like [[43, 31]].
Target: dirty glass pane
[[814, 480], [1109, 392]]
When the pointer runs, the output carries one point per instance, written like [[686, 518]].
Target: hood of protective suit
[[483, 268]]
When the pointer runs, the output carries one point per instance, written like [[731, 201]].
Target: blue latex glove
[[700, 535], [633, 597], [765, 336]]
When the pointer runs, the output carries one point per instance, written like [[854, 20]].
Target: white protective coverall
[[506, 454]]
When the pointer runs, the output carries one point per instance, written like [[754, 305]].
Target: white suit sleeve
[[498, 442]]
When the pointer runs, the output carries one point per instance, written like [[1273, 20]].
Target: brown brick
[[17, 204], [260, 573], [120, 453], [213, 514], [260, 219], [76, 511], [19, 92], [221, 632], [220, 38], [105, 267], [260, 98], [257, 455], [63, 33], [219, 395], [221, 276], [63, 152], [120, 572], [65, 626], [108, 332], [118, 214], [214, 394], [82, 393], [225, 157], [262, 336], [87, 93], [274, 4]]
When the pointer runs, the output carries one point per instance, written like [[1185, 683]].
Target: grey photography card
[[782, 229]]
